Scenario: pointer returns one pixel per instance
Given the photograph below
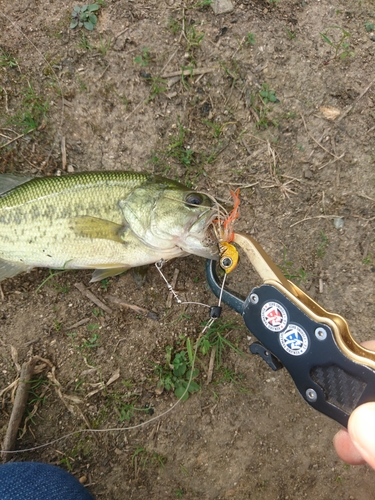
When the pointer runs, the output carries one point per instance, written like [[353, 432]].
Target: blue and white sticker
[[274, 316], [294, 340]]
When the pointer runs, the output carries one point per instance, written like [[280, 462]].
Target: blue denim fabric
[[37, 481]]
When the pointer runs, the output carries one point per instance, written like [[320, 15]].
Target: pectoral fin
[[10, 181], [92, 227], [10, 269], [101, 274]]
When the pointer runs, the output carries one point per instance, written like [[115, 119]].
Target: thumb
[[361, 428]]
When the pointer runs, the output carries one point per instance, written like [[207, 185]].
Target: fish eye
[[226, 262], [194, 199]]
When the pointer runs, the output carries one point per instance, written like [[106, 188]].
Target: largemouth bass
[[107, 221]]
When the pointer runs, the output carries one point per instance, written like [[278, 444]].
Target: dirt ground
[[277, 98]]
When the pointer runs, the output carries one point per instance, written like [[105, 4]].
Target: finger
[[369, 344], [345, 448], [361, 429]]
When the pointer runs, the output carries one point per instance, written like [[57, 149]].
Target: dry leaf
[[114, 377], [330, 112]]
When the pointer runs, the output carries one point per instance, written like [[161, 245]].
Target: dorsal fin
[[10, 181]]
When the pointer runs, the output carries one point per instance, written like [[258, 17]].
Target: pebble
[[222, 6], [338, 222]]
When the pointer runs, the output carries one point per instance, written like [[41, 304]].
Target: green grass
[[322, 247], [290, 272], [146, 458], [216, 336], [32, 112], [6, 60]]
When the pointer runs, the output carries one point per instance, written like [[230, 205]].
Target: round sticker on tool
[[274, 316], [294, 340]]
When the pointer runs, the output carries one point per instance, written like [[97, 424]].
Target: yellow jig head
[[228, 256]]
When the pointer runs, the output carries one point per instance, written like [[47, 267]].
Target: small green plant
[[84, 16], [291, 34], [341, 46], [84, 43], [93, 341], [176, 148], [158, 85], [367, 260], [369, 26], [6, 60], [177, 374], [202, 4], [216, 337], [174, 26], [57, 325], [105, 284], [145, 458], [260, 102], [290, 272], [194, 38], [82, 85], [267, 95], [215, 127], [34, 110], [144, 58], [250, 39], [104, 45], [322, 248]]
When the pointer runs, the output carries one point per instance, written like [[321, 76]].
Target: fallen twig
[[20, 402], [87, 293], [63, 153], [150, 314], [211, 365], [189, 72], [79, 323], [356, 101], [15, 139], [317, 142], [315, 217]]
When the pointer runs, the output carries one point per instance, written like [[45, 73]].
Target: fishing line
[[212, 319]]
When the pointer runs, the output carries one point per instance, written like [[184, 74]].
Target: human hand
[[356, 445]]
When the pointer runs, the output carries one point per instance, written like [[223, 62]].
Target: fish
[[109, 221]]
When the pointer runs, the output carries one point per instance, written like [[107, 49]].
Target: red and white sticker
[[274, 316]]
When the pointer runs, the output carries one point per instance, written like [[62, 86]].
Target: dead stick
[[63, 153], [15, 139], [87, 293], [20, 402], [356, 101], [150, 314], [211, 365], [189, 72]]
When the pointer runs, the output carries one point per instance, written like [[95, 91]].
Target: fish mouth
[[201, 234]]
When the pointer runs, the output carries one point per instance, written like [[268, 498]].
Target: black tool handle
[[327, 379]]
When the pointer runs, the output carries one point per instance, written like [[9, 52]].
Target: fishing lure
[[228, 252]]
